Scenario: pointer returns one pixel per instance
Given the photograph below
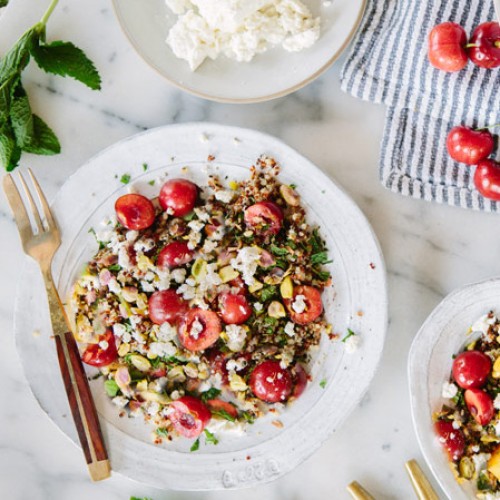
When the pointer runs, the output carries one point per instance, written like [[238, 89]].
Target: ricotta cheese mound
[[239, 29]]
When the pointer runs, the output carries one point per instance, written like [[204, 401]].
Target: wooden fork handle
[[82, 406]]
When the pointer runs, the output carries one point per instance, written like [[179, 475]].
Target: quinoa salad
[[202, 307], [468, 424]]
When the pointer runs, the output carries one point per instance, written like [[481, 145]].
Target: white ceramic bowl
[[429, 365], [359, 276], [269, 75]]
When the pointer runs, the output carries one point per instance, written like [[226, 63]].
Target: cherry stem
[[471, 45], [488, 127], [497, 44]]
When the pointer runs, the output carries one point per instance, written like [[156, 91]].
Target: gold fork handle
[[77, 388]]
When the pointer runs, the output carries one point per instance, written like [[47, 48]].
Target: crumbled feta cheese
[[201, 214], [120, 401], [236, 337], [351, 344], [224, 195], [188, 292], [103, 344], [299, 304], [475, 448], [131, 236], [218, 425], [496, 425], [144, 245], [258, 306], [196, 226], [178, 275], [218, 234], [496, 402], [209, 246], [196, 329], [455, 424], [449, 390], [124, 258], [152, 408], [147, 287], [239, 29], [480, 460], [246, 262], [193, 239], [166, 332], [236, 365], [114, 286], [162, 349], [483, 324], [290, 329]]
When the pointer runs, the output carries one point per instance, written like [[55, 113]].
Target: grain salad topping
[[468, 424], [202, 306]]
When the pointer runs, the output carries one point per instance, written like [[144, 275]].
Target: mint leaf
[[223, 414], [212, 393], [18, 57], [210, 438], [162, 432], [320, 258], [3, 3], [125, 178], [21, 117], [66, 59], [195, 446], [350, 333], [8, 147], [44, 140], [111, 388], [322, 384], [278, 251]]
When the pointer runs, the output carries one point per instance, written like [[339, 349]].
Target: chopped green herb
[[322, 275], [293, 186], [278, 251], [210, 438], [350, 333], [458, 399], [316, 241], [144, 166], [115, 268], [268, 293], [111, 388], [248, 417], [320, 258], [151, 183], [212, 393], [270, 321], [125, 178], [223, 414], [100, 243], [162, 432], [189, 216], [137, 498], [322, 384], [195, 446]]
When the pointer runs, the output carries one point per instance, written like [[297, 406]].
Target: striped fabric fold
[[388, 64]]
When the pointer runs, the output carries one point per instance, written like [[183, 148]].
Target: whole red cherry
[[484, 45], [447, 43], [487, 179], [469, 146]]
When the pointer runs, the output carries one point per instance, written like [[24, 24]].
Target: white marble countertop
[[429, 250]]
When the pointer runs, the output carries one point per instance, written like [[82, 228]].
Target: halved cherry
[[199, 329], [166, 306], [238, 286], [217, 361], [135, 211], [189, 416], [300, 380], [271, 383], [452, 440], [175, 254], [234, 309], [265, 217], [480, 405], [95, 355], [313, 305], [179, 195], [217, 405], [471, 369]]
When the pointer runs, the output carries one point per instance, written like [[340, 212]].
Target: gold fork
[[41, 245]]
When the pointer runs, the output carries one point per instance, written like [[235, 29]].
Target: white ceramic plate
[[429, 365], [269, 75], [359, 277]]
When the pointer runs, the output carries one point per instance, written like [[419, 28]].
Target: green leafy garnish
[[322, 384], [151, 183], [111, 388], [210, 438], [316, 241], [212, 393], [458, 399], [268, 293], [223, 414], [320, 258], [20, 129], [3, 3], [125, 178], [115, 267], [278, 251], [350, 333], [142, 498], [248, 417], [162, 432], [189, 216], [92, 231], [144, 166], [195, 446], [322, 275]]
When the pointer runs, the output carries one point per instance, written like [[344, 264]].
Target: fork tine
[[33, 207], [18, 208], [43, 201]]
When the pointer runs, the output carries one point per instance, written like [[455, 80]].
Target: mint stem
[[48, 12], [488, 127]]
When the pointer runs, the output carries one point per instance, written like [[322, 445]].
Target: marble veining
[[429, 249]]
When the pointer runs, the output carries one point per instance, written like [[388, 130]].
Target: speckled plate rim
[[279, 455], [422, 348], [269, 97]]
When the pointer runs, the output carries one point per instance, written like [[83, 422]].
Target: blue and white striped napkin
[[388, 64]]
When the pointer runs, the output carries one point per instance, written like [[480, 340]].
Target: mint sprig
[[20, 129]]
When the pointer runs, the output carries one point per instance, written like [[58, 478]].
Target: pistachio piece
[[289, 195], [227, 274], [276, 310], [286, 288], [140, 362]]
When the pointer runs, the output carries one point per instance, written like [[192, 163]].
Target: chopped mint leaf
[[189, 216], [322, 384], [195, 446], [210, 438], [320, 258], [248, 417], [212, 393], [111, 388], [125, 178], [278, 251], [100, 243], [350, 333], [115, 268], [322, 275], [293, 186], [268, 292], [223, 414], [162, 432], [144, 166], [151, 183]]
